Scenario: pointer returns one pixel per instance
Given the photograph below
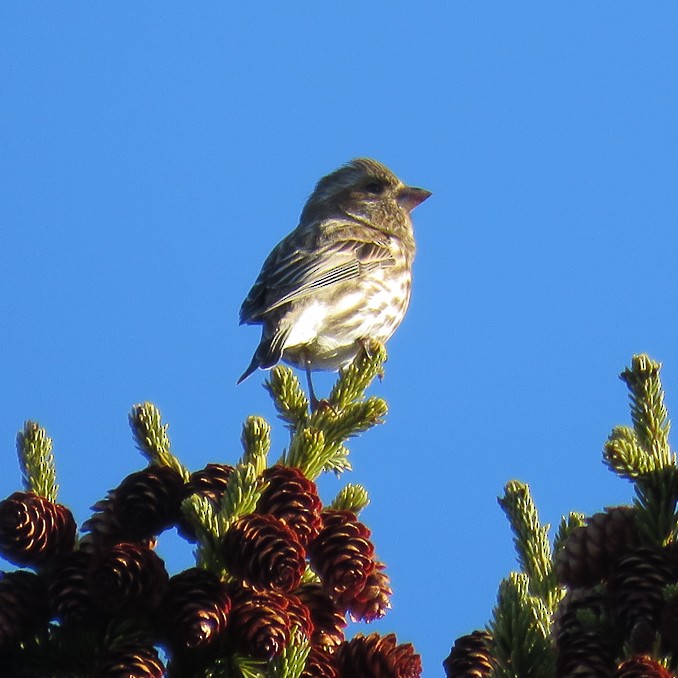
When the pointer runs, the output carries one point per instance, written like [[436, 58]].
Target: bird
[[341, 277]]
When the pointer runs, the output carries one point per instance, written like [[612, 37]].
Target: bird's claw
[[323, 405]]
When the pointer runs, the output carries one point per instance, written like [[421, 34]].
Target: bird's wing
[[291, 273]]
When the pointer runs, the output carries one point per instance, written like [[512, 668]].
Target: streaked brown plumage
[[342, 276]]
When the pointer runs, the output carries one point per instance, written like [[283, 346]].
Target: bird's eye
[[374, 187]]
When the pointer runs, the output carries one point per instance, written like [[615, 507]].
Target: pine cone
[[131, 660], [342, 555], [374, 599], [320, 664], [636, 588], [584, 647], [259, 623], [669, 623], [263, 552], [103, 528], [328, 622], [195, 609], [378, 657], [148, 502], [68, 590], [590, 552], [128, 576], [299, 614], [586, 655], [292, 498], [210, 482], [34, 530], [470, 657], [641, 667], [23, 606]]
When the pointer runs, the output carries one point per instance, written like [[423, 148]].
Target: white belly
[[330, 329]]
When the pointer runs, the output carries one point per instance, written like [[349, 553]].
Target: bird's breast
[[327, 327]]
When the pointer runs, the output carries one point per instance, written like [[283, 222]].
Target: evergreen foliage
[[103, 605], [36, 461], [602, 601]]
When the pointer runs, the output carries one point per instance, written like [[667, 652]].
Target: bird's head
[[366, 190]]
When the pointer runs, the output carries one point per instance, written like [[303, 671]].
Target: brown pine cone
[[148, 502], [641, 666], [259, 624], [374, 599], [320, 664], [23, 606], [584, 648], [299, 614], [34, 530], [68, 590], [103, 530], [470, 656], [328, 622], [378, 657], [292, 498], [590, 552], [669, 623], [342, 555], [210, 482], [264, 553], [586, 655], [195, 609], [128, 576], [636, 589], [131, 660]]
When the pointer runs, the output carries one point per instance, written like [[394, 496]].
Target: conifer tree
[[602, 601], [278, 574]]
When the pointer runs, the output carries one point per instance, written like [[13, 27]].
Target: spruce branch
[[310, 452], [221, 668], [648, 413], [531, 542], [336, 460], [307, 445], [655, 502], [317, 443], [642, 453], [352, 420], [520, 629], [248, 667], [256, 441], [354, 379], [151, 437], [292, 661], [624, 455], [670, 591], [34, 448], [567, 525], [288, 396], [351, 498], [243, 490], [309, 577], [221, 494], [209, 529]]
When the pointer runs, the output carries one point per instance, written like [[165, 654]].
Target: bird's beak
[[409, 197]]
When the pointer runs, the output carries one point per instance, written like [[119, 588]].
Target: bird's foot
[[321, 406], [366, 345]]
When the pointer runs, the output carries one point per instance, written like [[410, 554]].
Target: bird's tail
[[268, 353], [252, 368]]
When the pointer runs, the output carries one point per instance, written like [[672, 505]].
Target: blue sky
[[152, 153]]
